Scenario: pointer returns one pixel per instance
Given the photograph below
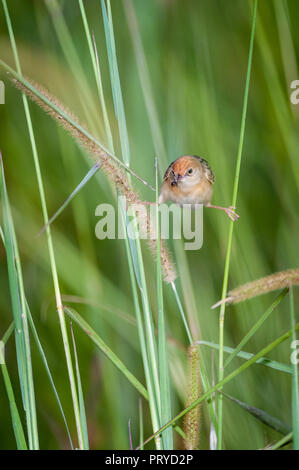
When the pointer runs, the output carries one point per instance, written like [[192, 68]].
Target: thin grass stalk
[[148, 321], [135, 242], [295, 377], [160, 148], [49, 240], [203, 373], [31, 410], [22, 338], [102, 98], [115, 82], [231, 225], [80, 393], [39, 97], [282, 442], [261, 415], [256, 326], [44, 359], [181, 310], [97, 340], [78, 188], [15, 416], [151, 395], [192, 418], [261, 286], [141, 430], [152, 399], [112, 170], [281, 108], [265, 361], [8, 332], [165, 411], [145, 81], [72, 58], [97, 73]]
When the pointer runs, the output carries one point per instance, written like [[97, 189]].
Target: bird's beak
[[175, 180]]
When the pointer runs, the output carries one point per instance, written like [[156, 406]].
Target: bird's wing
[[207, 170], [166, 174]]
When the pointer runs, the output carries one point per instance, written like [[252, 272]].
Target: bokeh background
[[196, 53]]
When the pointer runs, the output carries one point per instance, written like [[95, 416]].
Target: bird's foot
[[230, 211], [148, 203]]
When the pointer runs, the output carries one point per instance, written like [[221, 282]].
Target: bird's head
[[185, 171]]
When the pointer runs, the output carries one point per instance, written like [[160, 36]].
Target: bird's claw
[[230, 211]]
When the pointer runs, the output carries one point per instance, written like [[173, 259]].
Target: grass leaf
[[20, 318], [261, 415], [265, 361], [231, 225], [15, 416], [105, 349], [256, 326], [295, 377], [81, 398]]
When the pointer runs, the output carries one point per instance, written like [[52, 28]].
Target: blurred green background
[[197, 54]]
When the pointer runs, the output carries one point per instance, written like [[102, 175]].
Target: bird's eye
[[190, 171]]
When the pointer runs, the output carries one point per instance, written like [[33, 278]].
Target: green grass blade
[[256, 326], [8, 333], [282, 442], [71, 55], [44, 359], [131, 252], [49, 240], [141, 430], [130, 245], [162, 343], [15, 416], [246, 355], [135, 246], [97, 73], [145, 82], [78, 188], [202, 371], [295, 377], [20, 318], [181, 310], [231, 225], [115, 82], [160, 149], [81, 397], [261, 415]]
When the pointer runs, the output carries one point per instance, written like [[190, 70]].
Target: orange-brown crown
[[182, 164]]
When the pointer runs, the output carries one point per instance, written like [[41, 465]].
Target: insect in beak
[[175, 179]]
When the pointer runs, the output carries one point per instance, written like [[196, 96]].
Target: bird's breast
[[181, 194]]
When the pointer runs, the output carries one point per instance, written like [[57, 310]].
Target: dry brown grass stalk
[[192, 418], [275, 281], [108, 165]]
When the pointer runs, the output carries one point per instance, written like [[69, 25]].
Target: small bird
[[189, 180]]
